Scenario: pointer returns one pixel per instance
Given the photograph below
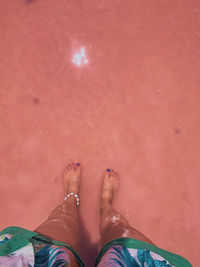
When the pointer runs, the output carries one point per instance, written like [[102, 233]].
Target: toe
[[78, 166], [106, 172], [69, 167], [117, 178], [112, 173], [116, 174], [73, 167]]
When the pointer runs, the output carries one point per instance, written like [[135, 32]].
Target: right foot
[[110, 184]]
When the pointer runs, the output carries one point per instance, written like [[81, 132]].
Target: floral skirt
[[21, 247]]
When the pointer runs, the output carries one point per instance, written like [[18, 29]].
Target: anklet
[[76, 196]]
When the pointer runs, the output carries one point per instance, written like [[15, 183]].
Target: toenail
[[78, 164], [108, 170]]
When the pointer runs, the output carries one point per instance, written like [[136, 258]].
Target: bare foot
[[71, 178], [110, 184]]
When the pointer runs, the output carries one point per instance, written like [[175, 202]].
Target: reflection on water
[[79, 58]]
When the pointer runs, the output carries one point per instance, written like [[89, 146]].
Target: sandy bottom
[[109, 85]]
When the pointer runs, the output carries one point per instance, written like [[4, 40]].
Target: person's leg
[[62, 224], [112, 224]]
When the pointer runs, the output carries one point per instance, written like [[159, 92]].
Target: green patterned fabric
[[132, 243], [21, 237]]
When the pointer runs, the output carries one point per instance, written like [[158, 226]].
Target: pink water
[[134, 107]]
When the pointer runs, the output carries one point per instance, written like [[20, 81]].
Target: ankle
[[72, 198], [106, 206]]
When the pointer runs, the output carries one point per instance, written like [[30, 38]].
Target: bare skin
[[110, 184], [63, 224], [112, 224], [71, 178]]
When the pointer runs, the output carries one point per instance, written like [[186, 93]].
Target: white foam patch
[[115, 218], [79, 58]]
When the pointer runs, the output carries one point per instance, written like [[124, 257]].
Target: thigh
[[138, 235], [63, 229], [62, 225], [121, 229]]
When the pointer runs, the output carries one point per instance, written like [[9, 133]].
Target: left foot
[[71, 178]]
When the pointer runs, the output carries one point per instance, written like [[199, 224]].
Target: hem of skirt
[[23, 236], [128, 242]]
